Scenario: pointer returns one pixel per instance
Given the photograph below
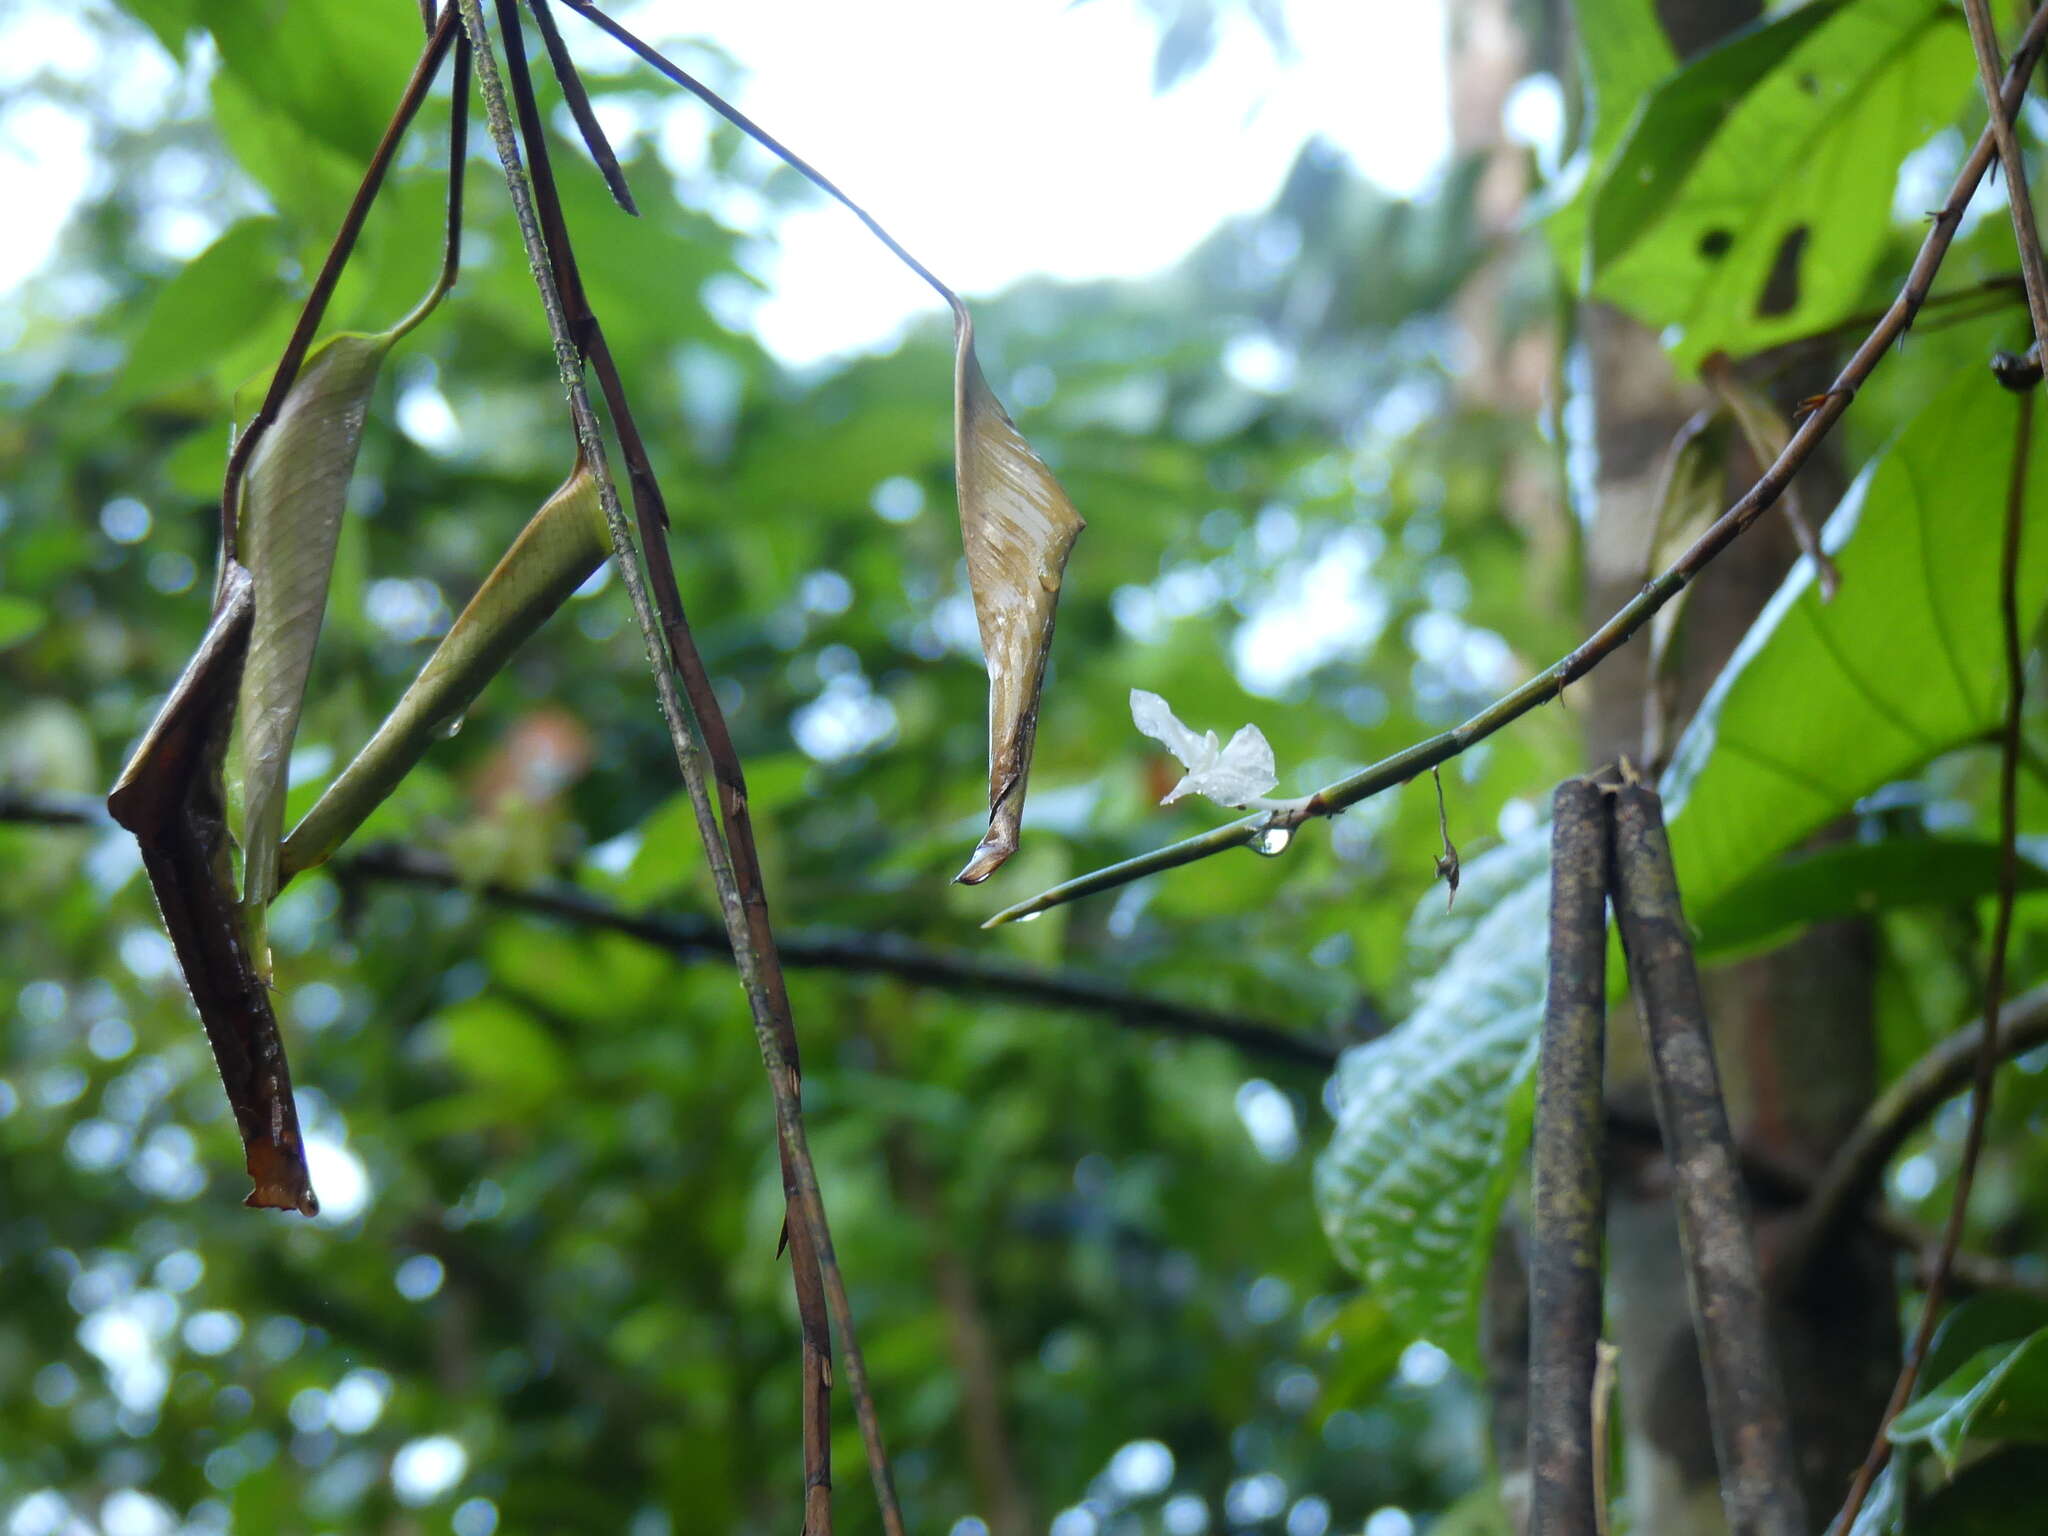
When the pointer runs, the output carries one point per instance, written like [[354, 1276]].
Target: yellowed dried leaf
[[1019, 528]]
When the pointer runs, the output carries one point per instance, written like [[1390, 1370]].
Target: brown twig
[[1603, 642], [1987, 1057], [691, 937], [580, 108], [310, 313], [1760, 1487], [1568, 1194], [2019, 197], [582, 327], [704, 752]]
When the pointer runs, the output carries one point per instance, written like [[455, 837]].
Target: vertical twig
[[1752, 1439], [1569, 1196], [2018, 195], [1994, 975], [702, 757], [806, 1271]]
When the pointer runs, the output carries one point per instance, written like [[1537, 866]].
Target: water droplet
[[1273, 841], [453, 727], [1032, 917]]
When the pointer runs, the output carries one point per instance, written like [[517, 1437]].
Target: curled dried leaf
[[292, 500], [171, 796], [1019, 528], [554, 554]]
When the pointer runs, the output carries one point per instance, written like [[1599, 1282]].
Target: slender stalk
[[1994, 978], [1609, 637], [458, 158], [1760, 1488], [698, 733], [317, 296], [580, 108], [2019, 196], [770, 1008], [1568, 1192]]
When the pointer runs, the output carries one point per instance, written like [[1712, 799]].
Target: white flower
[[1236, 774]]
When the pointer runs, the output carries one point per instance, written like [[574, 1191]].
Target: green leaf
[[501, 1047], [1849, 881], [334, 67], [2000, 1393], [291, 505], [1623, 53], [555, 552], [1752, 199], [1433, 1116], [19, 618], [1824, 702], [226, 289]]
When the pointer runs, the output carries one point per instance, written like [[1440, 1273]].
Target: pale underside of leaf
[[1019, 528], [292, 501], [565, 541]]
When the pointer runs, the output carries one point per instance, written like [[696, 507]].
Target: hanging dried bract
[[172, 798], [554, 554], [1019, 527]]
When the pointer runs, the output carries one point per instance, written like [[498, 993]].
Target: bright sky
[[995, 138]]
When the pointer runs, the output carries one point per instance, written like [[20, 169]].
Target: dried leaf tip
[[1019, 528]]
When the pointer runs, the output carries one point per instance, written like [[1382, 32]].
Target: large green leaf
[[1824, 702], [2000, 1393], [1852, 880], [1432, 1117], [1623, 53], [1752, 198]]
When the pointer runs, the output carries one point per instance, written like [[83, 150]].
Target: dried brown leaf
[[171, 797], [1019, 528]]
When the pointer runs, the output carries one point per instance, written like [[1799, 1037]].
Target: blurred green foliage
[[545, 1293]]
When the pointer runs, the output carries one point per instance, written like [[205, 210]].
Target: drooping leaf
[[1752, 198], [291, 505], [1824, 702], [554, 554], [1019, 528], [171, 796], [1999, 1393], [1432, 1117]]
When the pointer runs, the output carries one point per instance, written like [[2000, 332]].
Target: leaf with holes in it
[[291, 504], [1019, 528], [554, 554], [1752, 198], [1433, 1116], [1824, 702]]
